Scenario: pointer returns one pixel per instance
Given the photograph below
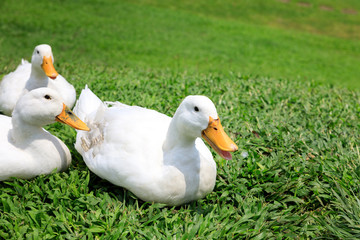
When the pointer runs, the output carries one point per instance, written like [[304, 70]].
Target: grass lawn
[[301, 177], [116, 33]]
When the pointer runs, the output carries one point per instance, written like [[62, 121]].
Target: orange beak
[[215, 135], [69, 118], [49, 68]]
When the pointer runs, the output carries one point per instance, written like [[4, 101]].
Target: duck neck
[[37, 79], [22, 131], [176, 138]]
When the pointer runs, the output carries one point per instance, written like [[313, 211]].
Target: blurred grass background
[[317, 40]]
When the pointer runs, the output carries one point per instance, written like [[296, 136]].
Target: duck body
[[143, 151], [12, 87], [26, 158], [26, 149], [29, 76], [140, 164]]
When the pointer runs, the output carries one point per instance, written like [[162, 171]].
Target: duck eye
[[196, 109], [47, 97], [37, 51]]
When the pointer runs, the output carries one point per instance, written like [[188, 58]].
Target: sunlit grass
[[300, 177], [120, 33], [301, 139]]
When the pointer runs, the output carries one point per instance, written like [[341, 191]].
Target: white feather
[[28, 76], [26, 149], [146, 151]]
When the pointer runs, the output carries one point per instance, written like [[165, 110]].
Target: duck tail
[[23, 61], [88, 107]]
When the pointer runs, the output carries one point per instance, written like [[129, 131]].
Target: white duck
[[26, 149], [158, 158], [26, 77]]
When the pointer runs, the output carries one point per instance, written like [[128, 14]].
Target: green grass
[[119, 33], [302, 176], [302, 140], [335, 20]]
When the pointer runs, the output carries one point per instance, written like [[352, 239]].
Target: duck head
[[43, 106], [198, 118], [43, 58]]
